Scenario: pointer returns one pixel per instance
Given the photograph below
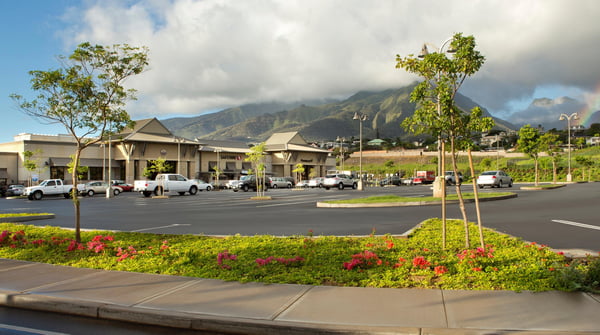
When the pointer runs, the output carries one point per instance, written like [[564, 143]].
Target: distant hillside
[[386, 110]]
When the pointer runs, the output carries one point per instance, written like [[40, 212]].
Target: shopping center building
[[128, 153]]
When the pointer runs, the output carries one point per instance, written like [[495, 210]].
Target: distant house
[[376, 142]]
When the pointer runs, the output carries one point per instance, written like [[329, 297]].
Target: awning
[[89, 162]]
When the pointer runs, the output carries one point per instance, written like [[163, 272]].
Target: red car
[[126, 187]]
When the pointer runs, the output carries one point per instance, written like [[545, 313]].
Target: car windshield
[[489, 173]]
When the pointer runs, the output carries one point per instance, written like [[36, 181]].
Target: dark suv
[[246, 183]]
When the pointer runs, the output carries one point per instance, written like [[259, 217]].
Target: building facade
[[126, 155]]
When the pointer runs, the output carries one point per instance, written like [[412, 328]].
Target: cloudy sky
[[211, 54]]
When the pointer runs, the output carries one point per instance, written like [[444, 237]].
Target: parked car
[[99, 187], [232, 183], [123, 185], [302, 183], [204, 186], [393, 180], [249, 182], [496, 178], [15, 190], [339, 181], [279, 182], [316, 182], [451, 179]]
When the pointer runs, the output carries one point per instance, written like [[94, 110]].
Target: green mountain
[[320, 122]]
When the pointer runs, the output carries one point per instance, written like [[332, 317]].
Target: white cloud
[[215, 53]]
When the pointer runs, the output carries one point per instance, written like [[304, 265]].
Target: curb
[[220, 324], [27, 218], [539, 188], [410, 203]]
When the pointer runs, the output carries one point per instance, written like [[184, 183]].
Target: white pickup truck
[[46, 188], [166, 182]]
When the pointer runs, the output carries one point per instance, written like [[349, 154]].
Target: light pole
[[568, 118], [341, 139], [360, 117], [440, 182], [178, 140]]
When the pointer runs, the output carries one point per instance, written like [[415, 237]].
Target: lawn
[[506, 263], [395, 198]]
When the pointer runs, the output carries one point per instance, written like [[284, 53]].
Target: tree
[[436, 113], [257, 157], [299, 170], [585, 162], [530, 143], [155, 167], [550, 144], [87, 96], [31, 164]]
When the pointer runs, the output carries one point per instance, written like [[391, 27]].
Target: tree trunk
[[442, 168], [554, 175], [461, 201], [476, 195], [536, 172], [74, 195]]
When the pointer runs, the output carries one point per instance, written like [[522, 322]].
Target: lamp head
[[424, 51], [356, 116]]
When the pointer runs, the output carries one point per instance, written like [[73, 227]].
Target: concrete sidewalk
[[252, 308]]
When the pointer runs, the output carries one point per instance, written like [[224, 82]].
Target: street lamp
[[341, 140], [178, 140], [568, 118], [360, 117], [440, 182]]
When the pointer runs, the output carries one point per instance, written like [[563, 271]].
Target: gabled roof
[[292, 137], [148, 126]]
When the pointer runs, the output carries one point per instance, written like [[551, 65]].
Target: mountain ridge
[[313, 120]]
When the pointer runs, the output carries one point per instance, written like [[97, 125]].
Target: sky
[[542, 57]]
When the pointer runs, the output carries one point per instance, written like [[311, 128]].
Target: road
[[564, 218]]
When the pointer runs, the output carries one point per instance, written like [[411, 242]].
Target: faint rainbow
[[592, 105]]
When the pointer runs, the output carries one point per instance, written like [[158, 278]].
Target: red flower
[[440, 270]]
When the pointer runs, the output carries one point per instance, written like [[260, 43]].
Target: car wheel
[[500, 184], [147, 194], [193, 190], [341, 186], [90, 193], [354, 186], [290, 186], [510, 183], [481, 186], [274, 186], [208, 188], [245, 188], [327, 188], [37, 195], [116, 191]]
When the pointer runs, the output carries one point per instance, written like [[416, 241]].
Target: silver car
[[496, 178], [94, 187], [339, 181]]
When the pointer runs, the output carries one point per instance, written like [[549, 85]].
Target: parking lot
[[534, 216]]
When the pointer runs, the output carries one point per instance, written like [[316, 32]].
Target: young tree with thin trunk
[[257, 157], [550, 144], [86, 95], [436, 113], [530, 143]]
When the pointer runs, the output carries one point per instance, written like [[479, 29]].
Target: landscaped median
[[505, 263], [396, 201], [24, 217]]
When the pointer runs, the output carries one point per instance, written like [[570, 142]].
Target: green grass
[[12, 215], [375, 261], [395, 198]]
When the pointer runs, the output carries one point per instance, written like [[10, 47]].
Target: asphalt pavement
[[254, 308]]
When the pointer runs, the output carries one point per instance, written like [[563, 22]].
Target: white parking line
[[577, 224], [162, 227]]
